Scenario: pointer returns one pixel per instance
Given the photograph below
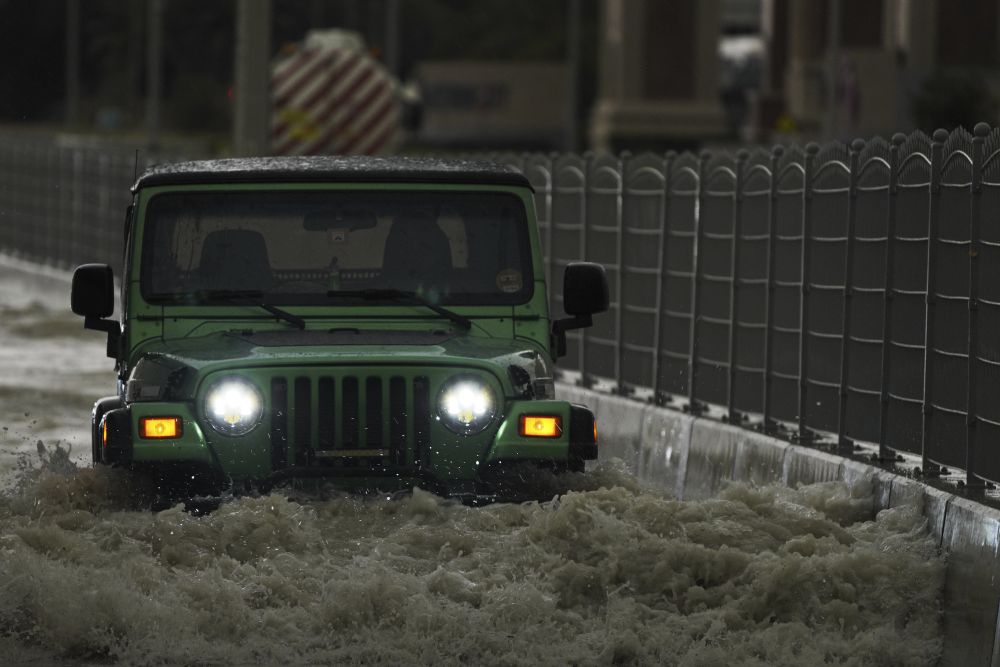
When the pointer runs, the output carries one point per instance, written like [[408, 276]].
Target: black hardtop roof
[[331, 168]]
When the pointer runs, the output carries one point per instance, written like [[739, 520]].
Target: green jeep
[[381, 323]]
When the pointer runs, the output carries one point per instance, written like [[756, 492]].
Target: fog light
[[541, 426], [158, 428]]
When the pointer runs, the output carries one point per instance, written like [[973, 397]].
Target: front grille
[[349, 420]]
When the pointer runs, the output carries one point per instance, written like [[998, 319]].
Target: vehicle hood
[[172, 369]]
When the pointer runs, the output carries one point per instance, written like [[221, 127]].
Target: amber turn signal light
[[541, 426], [158, 428]]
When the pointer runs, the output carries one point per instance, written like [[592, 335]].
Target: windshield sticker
[[509, 281], [338, 236]]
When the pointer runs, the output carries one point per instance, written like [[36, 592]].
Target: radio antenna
[[135, 168]]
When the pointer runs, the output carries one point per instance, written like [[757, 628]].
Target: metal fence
[[850, 292], [63, 201], [844, 291]]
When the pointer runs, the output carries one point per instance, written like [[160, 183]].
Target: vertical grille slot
[[350, 411], [326, 421], [303, 419], [397, 420], [279, 423], [373, 413], [421, 418]]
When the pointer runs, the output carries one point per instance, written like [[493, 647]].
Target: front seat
[[235, 259], [417, 254]]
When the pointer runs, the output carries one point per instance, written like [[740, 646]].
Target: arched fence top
[[957, 164], [915, 170], [756, 178], [606, 178], [542, 170], [569, 171], [685, 179], [758, 157], [835, 151], [874, 174], [714, 171], [644, 178], [831, 176], [875, 148], [991, 168], [791, 176], [720, 177]]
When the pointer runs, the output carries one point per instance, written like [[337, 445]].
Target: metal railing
[[844, 291], [63, 199]]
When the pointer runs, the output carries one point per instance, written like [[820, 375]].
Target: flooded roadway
[[607, 573]]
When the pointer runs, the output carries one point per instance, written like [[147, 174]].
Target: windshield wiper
[[240, 296], [404, 296]]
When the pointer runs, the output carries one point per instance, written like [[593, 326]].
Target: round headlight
[[466, 405], [233, 406]]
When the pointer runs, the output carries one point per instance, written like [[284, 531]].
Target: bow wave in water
[[606, 573]]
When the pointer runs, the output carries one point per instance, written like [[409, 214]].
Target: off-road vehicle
[[381, 323]]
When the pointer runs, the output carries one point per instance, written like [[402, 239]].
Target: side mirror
[[93, 291], [93, 296], [585, 289], [585, 292]]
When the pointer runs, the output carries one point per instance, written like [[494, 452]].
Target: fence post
[[768, 425], [733, 416], [585, 379], [844, 445], [659, 397], [620, 388], [975, 223], [804, 434], [933, 225], [694, 406], [887, 295]]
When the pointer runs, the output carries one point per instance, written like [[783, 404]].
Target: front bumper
[[446, 463]]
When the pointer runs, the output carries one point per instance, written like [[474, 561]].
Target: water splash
[[605, 573]]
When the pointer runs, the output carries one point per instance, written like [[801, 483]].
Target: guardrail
[[851, 291]]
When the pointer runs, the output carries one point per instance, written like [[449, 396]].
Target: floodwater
[[606, 573]]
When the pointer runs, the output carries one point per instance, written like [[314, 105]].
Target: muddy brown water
[[606, 572]]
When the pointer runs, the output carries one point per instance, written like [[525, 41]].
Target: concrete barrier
[[693, 458]]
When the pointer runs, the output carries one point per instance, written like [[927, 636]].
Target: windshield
[[300, 248]]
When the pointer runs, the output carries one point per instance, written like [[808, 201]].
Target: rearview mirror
[[93, 296], [585, 289], [93, 293], [343, 218], [585, 292]]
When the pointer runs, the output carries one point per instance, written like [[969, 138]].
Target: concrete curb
[[692, 458]]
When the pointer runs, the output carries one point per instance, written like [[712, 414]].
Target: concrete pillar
[[805, 77], [253, 77], [920, 35], [658, 75]]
